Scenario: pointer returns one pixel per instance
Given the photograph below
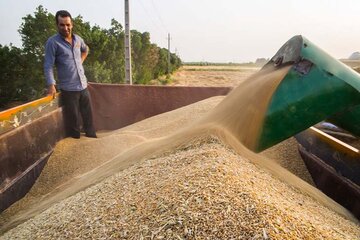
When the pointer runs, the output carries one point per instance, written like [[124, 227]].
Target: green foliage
[[35, 30], [98, 72], [17, 76], [21, 75]]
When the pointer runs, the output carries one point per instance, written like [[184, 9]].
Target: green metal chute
[[348, 120], [317, 87]]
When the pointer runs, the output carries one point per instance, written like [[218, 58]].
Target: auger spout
[[317, 87]]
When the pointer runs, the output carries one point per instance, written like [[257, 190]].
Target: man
[[68, 51]]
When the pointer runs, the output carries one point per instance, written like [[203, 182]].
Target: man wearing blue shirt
[[67, 51]]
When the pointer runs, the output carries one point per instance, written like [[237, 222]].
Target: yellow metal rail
[[20, 115]]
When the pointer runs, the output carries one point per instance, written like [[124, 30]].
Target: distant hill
[[355, 56], [353, 61]]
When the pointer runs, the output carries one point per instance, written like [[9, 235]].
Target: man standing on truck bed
[[67, 51]]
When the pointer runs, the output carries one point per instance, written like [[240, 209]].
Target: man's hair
[[62, 13]]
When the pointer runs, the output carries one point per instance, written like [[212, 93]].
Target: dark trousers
[[76, 103]]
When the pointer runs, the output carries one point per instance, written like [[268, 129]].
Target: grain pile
[[199, 182], [286, 154], [73, 157], [200, 190]]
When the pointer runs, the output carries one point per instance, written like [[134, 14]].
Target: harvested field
[[184, 174], [219, 76]]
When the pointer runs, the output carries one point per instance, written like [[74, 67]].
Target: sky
[[209, 30]]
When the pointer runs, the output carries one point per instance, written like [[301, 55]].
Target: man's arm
[[84, 54], [49, 67], [51, 91]]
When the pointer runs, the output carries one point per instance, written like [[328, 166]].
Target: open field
[[220, 76], [223, 75]]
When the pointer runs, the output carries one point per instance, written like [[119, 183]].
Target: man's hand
[[84, 54], [52, 91]]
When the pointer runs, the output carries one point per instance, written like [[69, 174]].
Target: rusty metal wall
[[334, 167], [24, 152], [331, 183], [116, 106]]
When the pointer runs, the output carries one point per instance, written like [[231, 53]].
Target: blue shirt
[[67, 59]]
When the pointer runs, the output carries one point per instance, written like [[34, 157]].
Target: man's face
[[64, 26]]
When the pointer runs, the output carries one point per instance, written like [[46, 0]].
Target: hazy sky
[[209, 30]]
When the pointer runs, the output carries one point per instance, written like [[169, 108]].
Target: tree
[[15, 83], [35, 30]]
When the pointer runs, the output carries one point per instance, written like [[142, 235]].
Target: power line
[[157, 27], [159, 16], [159, 20], [145, 23], [168, 68]]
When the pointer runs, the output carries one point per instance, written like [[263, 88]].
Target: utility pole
[[168, 67], [128, 74]]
